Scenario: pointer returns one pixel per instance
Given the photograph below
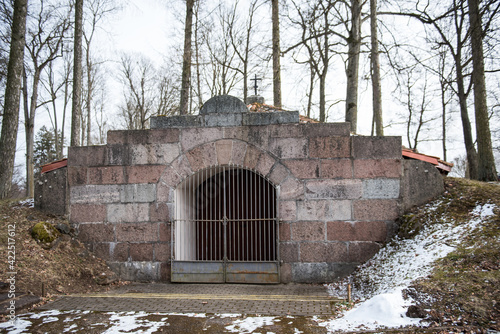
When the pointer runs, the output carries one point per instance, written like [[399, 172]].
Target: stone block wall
[[339, 195]]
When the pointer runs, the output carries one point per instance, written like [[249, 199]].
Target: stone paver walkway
[[278, 300]]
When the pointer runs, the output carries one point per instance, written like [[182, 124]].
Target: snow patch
[[379, 282], [250, 324], [128, 322]]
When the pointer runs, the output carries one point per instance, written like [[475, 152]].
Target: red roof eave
[[54, 165]]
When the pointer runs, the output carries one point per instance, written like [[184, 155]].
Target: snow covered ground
[[392, 270]]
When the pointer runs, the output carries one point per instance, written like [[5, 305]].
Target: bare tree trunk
[[276, 54], [197, 55], [311, 89], [375, 62], [354, 43], [88, 102], [466, 126], [186, 62], [77, 75], [486, 161], [29, 125], [10, 121]]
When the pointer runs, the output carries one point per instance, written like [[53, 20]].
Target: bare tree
[[187, 58], [46, 33], [10, 120], [486, 161], [276, 54], [352, 70], [375, 72]]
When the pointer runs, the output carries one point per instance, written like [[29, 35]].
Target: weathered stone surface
[[304, 169], [286, 273], [362, 251], [119, 251], [255, 135], [326, 129], [288, 210], [375, 209], [140, 271], [164, 192], [153, 153], [285, 233], [118, 155], [96, 233], [105, 175], [224, 150], [88, 213], [376, 147], [289, 252], [143, 174], [51, 192], [309, 272], [329, 147], [162, 252], [381, 188], [286, 130], [191, 138], [142, 136], [141, 251], [223, 104], [308, 231], [421, 183], [137, 232], [374, 168], [222, 120], [138, 193], [251, 157], [325, 210], [165, 271], [87, 155], [336, 169], [278, 174], [357, 231], [159, 212], [128, 213], [288, 148], [266, 162], [291, 188], [182, 121], [333, 189], [323, 252], [238, 153], [95, 194], [260, 118], [101, 250], [202, 157], [77, 176], [165, 232]]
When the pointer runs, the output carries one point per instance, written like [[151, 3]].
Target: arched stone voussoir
[[176, 171]]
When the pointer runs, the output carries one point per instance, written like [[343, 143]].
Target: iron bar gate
[[226, 228]]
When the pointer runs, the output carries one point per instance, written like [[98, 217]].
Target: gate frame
[[214, 277]]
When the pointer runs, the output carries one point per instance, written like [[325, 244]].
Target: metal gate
[[226, 228]]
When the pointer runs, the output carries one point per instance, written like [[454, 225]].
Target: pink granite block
[[323, 252], [77, 176], [141, 251], [165, 232], [289, 252], [106, 175], [357, 231], [83, 213], [374, 168], [202, 157], [158, 212], [329, 147], [377, 209], [238, 152], [251, 157], [96, 233], [304, 169], [193, 137], [336, 169], [119, 251], [288, 210], [162, 252], [266, 162], [288, 148], [278, 174], [143, 174], [362, 251], [137, 232], [308, 231], [291, 188], [224, 149]]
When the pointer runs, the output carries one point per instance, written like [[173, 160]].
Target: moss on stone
[[45, 233]]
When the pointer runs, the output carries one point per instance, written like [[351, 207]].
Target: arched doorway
[[226, 228]]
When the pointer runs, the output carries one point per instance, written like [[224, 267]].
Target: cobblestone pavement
[[277, 300]]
